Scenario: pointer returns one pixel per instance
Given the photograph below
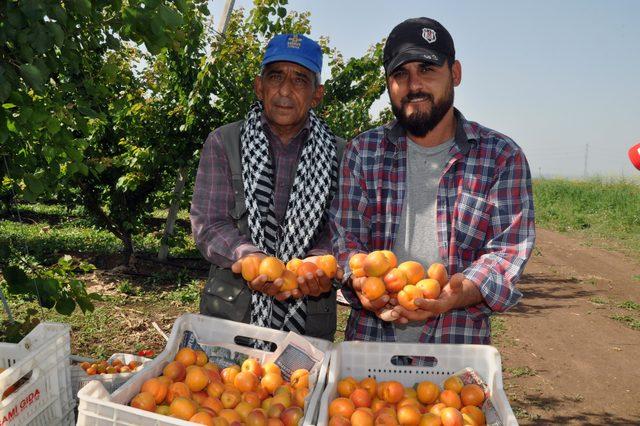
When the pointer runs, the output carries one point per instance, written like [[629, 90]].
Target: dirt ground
[[566, 360]]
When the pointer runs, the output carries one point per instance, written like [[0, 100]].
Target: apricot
[[378, 404], [438, 272], [450, 399], [386, 419], [413, 270], [430, 288], [186, 356], [202, 418], [177, 390], [215, 389], [201, 358], [144, 401], [294, 264], [197, 379], [346, 386], [282, 398], [290, 281], [271, 381], [257, 417], [392, 392], [307, 268], [251, 267], [373, 288], [393, 260], [230, 398], [220, 421], [451, 417], [272, 267], [183, 408], [339, 421], [376, 264], [243, 408], [157, 388], [229, 374], [395, 280], [356, 264], [430, 419], [360, 398], [246, 381], [253, 365], [299, 378], [214, 404], [453, 383], [370, 385], [341, 407], [328, 265], [271, 367], [473, 416], [437, 408], [409, 415], [299, 395], [472, 394], [362, 417], [408, 295], [292, 416], [230, 415], [162, 409], [427, 392]]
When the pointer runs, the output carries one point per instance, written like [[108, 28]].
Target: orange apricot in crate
[[271, 367], [473, 415], [201, 358], [230, 398], [215, 389], [246, 381], [341, 407], [186, 356], [362, 417], [409, 415], [413, 270], [451, 417], [292, 416], [451, 399], [177, 390], [294, 264], [437, 408], [175, 371], [376, 264], [157, 388], [427, 392], [360, 398], [144, 401], [328, 265], [257, 417], [289, 281], [299, 378], [202, 418], [272, 267], [356, 264], [197, 379], [251, 268], [438, 272], [373, 288], [183, 408], [392, 392], [453, 383], [253, 365], [271, 381], [339, 421], [229, 374], [230, 416], [299, 395], [430, 419], [472, 394], [408, 295], [346, 387], [370, 385], [395, 280], [430, 288]]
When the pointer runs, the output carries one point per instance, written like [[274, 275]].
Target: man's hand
[[314, 284], [459, 292], [261, 282]]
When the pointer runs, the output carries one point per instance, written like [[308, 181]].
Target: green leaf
[[65, 305], [8, 106], [32, 76], [83, 7], [34, 184], [95, 296], [85, 304], [172, 18], [53, 125], [17, 280], [48, 290], [87, 111], [282, 12], [56, 32]]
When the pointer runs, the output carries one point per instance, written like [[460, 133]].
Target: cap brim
[[415, 55], [292, 58]]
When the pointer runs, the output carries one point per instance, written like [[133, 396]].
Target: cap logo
[[429, 35], [294, 42]]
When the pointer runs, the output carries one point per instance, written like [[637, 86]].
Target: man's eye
[[275, 78], [400, 74]]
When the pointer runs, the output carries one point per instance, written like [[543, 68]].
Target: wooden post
[[178, 189]]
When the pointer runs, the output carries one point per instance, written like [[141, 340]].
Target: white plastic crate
[[374, 359], [98, 408], [111, 382], [42, 358]]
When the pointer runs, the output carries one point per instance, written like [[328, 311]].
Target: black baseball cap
[[417, 39]]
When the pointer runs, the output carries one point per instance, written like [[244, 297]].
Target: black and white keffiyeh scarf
[[314, 184]]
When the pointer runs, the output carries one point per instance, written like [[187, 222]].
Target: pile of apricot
[[192, 388], [404, 282], [274, 268], [104, 367], [368, 402]]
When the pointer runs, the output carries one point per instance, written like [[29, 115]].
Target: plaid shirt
[[485, 223], [214, 230]]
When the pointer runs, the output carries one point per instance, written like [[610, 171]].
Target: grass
[[498, 326], [595, 208], [520, 371], [630, 305], [628, 320]]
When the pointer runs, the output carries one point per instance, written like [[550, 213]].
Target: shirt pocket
[[472, 221]]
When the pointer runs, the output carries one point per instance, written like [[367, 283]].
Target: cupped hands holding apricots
[[404, 292], [297, 278]]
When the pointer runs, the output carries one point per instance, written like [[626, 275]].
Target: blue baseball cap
[[294, 48]]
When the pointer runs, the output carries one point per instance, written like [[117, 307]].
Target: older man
[[263, 188], [434, 187]]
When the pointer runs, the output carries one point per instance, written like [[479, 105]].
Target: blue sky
[[553, 75]]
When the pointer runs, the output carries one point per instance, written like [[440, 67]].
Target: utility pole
[[178, 189], [586, 158]]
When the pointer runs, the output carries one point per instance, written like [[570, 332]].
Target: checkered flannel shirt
[[485, 222]]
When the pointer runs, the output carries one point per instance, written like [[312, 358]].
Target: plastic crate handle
[[15, 374]]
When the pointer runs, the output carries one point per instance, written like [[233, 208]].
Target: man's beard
[[422, 122]]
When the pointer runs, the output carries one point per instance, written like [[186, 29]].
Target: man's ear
[[257, 87], [318, 94], [456, 70]]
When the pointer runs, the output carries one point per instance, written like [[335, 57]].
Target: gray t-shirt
[[416, 238]]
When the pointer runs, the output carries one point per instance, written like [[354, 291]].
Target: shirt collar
[[465, 133]]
